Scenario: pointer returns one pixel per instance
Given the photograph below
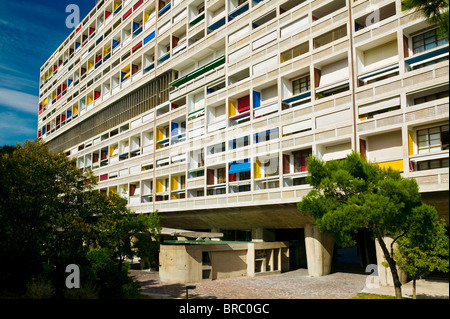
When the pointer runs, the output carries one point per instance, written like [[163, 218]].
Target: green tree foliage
[[354, 194], [435, 11], [50, 217], [418, 256]]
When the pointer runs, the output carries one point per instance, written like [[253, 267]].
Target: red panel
[[96, 95], [103, 177], [138, 4], [232, 177], [137, 46], [244, 103], [91, 30], [127, 14], [210, 177], [286, 164], [107, 14]]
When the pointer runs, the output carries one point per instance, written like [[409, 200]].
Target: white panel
[[299, 126], [266, 109], [380, 105], [136, 123], [381, 56], [334, 72], [135, 170], [294, 27], [264, 40], [123, 172], [337, 151], [334, 118], [265, 65], [238, 54], [178, 158], [238, 34]]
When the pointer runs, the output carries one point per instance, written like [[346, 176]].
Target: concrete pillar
[[251, 260], [384, 273], [319, 251], [257, 234]]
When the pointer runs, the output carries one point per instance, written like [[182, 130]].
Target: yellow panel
[[75, 109], [159, 185], [257, 169], [159, 134], [146, 16], [174, 196], [116, 5], [174, 183], [90, 65], [410, 143], [111, 150], [45, 103], [397, 165], [231, 108], [89, 100], [112, 191]]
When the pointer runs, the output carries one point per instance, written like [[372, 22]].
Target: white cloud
[[19, 100]]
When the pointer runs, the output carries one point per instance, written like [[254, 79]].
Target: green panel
[[196, 73]]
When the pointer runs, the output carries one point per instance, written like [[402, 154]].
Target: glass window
[[301, 85], [427, 41], [433, 139]]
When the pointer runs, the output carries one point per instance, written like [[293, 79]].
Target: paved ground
[[290, 285]]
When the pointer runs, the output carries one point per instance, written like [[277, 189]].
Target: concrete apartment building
[[206, 110]]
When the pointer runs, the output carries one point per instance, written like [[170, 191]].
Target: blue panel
[[217, 24], [69, 113], [69, 82], [43, 130], [114, 43], [135, 26], [149, 38], [297, 97], [77, 45], [163, 10], [174, 128], [239, 11], [240, 167], [256, 99], [427, 55]]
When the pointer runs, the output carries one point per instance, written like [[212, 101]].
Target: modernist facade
[[206, 110]]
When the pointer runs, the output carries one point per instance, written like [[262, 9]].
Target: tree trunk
[[392, 265], [414, 287]]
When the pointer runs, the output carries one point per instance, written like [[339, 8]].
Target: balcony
[[427, 57], [198, 72]]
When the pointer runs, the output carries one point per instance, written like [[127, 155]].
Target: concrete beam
[[319, 251]]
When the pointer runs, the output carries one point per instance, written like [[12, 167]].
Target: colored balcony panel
[[239, 167], [127, 14], [238, 11], [165, 9], [427, 56], [198, 72], [216, 25], [149, 38], [197, 19]]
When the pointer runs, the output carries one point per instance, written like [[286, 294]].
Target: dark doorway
[[297, 250]]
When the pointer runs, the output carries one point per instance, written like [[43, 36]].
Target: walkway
[[290, 285]]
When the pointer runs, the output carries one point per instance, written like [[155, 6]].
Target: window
[[427, 41], [301, 160], [239, 142], [301, 85], [221, 175], [266, 136], [433, 139], [432, 164], [430, 97]]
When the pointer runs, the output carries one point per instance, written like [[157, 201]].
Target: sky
[[30, 31]]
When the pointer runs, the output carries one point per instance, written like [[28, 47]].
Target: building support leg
[[319, 251]]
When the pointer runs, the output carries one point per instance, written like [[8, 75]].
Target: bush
[[40, 289], [87, 291]]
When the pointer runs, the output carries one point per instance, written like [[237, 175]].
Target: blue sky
[[30, 31]]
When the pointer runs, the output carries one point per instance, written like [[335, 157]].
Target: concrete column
[[319, 251], [251, 260], [384, 273], [257, 235]]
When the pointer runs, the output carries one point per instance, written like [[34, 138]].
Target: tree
[[35, 187], [418, 256], [353, 194], [51, 216], [435, 11]]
